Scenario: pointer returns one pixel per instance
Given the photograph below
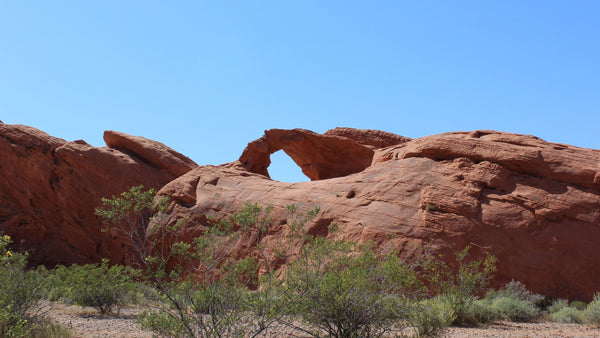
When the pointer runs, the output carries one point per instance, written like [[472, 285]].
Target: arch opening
[[284, 169]]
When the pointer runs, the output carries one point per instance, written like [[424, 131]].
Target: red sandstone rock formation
[[49, 188], [338, 152], [533, 204]]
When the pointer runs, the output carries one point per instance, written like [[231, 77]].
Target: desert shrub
[[462, 306], [484, 311], [591, 314], [512, 302], [103, 287], [22, 294], [349, 291], [430, 316], [469, 311], [578, 305], [128, 217], [515, 309], [558, 305], [198, 310], [517, 290], [568, 315], [12, 324], [460, 286], [221, 295]]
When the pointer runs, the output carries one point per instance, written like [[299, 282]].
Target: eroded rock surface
[[338, 152], [533, 204], [49, 188]]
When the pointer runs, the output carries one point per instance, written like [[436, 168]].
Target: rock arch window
[[284, 169]]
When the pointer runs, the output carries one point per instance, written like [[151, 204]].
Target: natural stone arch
[[320, 156]]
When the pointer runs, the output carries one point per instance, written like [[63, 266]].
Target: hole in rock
[[284, 169]]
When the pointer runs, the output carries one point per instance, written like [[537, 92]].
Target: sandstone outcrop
[[533, 204], [319, 156], [49, 188]]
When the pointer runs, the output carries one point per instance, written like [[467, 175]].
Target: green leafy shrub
[[348, 291], [430, 316], [517, 290], [127, 216], [558, 305], [591, 314], [103, 287], [460, 286], [512, 302], [578, 305], [469, 311], [484, 311], [22, 294], [221, 291], [198, 310], [568, 315], [515, 309]]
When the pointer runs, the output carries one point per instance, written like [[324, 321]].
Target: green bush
[[578, 305], [103, 287], [348, 291], [430, 316], [469, 311], [591, 314], [484, 311], [195, 309], [22, 294], [568, 315], [12, 324], [460, 286], [516, 290], [515, 309], [512, 302], [215, 300], [558, 305]]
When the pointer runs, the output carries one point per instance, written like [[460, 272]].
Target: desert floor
[[85, 322]]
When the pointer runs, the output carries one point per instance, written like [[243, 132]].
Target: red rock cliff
[[49, 188]]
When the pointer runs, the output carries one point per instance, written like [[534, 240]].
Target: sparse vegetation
[[351, 292], [512, 302], [515, 309], [568, 314], [329, 287], [104, 287], [22, 296], [591, 314], [430, 316], [460, 286]]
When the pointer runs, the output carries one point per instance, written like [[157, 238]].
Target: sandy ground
[[522, 330], [86, 323]]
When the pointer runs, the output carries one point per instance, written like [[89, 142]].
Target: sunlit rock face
[[49, 189], [531, 203], [338, 152]]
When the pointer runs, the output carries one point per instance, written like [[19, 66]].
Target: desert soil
[[86, 323]]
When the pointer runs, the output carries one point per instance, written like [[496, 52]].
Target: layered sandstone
[[531, 203], [49, 189]]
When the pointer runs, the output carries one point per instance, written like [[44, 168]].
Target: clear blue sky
[[207, 77]]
